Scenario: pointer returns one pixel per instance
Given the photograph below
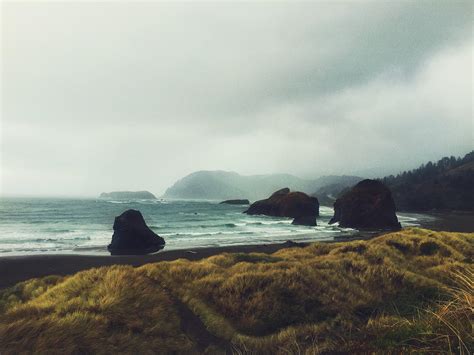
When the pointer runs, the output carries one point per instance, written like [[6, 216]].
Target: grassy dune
[[404, 291]]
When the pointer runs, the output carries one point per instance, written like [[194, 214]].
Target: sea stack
[[133, 237], [368, 205], [283, 203]]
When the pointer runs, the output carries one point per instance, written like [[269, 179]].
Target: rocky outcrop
[[368, 205], [133, 237], [119, 195], [235, 202], [284, 203]]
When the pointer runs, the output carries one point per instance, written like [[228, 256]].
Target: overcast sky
[[131, 96]]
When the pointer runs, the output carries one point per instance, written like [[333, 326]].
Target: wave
[[269, 223], [192, 214], [60, 239], [204, 234], [225, 225]]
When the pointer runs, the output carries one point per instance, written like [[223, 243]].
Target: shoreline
[[14, 269], [447, 221]]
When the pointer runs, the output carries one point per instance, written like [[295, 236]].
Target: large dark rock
[[368, 205], [284, 203], [133, 237], [235, 202]]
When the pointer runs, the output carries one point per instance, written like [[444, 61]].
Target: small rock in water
[[235, 202]]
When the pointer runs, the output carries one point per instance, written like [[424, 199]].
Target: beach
[[15, 269]]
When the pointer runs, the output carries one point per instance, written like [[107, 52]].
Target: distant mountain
[[445, 185], [121, 195], [332, 189], [222, 185]]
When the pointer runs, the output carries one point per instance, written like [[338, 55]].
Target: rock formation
[[133, 237], [368, 205], [284, 203]]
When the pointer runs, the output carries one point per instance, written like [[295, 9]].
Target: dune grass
[[406, 291]]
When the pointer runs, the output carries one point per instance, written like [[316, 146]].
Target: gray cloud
[[102, 96]]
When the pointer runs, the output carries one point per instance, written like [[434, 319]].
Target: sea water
[[65, 226]]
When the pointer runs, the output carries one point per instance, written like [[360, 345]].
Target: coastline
[[20, 268], [447, 221], [14, 269]]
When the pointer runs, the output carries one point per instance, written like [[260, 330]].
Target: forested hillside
[[444, 185]]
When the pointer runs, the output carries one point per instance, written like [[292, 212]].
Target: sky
[[103, 96]]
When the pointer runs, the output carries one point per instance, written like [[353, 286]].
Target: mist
[[133, 96]]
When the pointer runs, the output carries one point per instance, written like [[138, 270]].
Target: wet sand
[[14, 269], [455, 221]]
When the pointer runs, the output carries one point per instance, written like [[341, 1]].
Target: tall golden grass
[[406, 291]]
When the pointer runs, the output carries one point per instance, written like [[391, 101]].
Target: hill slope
[[391, 294], [222, 185], [445, 185], [227, 185]]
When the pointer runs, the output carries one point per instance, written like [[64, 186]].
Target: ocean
[[84, 226]]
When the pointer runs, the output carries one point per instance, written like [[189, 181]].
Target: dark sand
[[455, 221], [14, 269]]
